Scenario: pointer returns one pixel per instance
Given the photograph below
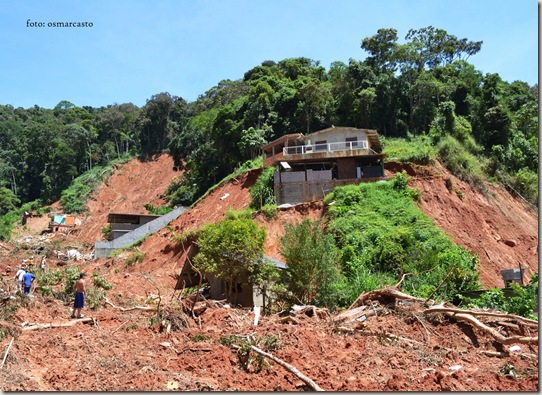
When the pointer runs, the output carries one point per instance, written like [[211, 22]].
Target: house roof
[[276, 262], [123, 218], [283, 140], [374, 141], [299, 138]]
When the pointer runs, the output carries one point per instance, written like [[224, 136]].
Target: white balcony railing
[[330, 147]]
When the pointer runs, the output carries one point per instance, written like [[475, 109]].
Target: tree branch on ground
[[467, 316], [144, 308], [289, 368], [60, 325]]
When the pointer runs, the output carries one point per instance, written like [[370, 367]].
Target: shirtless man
[[80, 292]]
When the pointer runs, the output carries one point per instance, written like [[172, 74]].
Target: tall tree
[[231, 250]]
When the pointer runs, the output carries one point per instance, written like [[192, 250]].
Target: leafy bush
[[270, 211], [313, 264], [94, 297], [262, 192], [181, 191], [157, 210], [382, 234], [460, 161], [525, 182], [106, 231], [231, 250], [524, 300], [137, 256], [100, 282]]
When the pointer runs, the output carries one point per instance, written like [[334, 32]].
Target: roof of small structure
[[282, 140], [124, 218], [299, 138]]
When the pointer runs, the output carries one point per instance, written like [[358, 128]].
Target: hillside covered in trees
[[423, 91]]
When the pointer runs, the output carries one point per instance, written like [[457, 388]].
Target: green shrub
[[262, 192], [157, 210], [100, 282], [181, 191], [460, 161], [136, 256], [270, 211], [106, 231], [524, 300], [382, 234], [94, 297], [459, 194], [415, 149], [312, 260], [231, 250], [232, 214], [525, 182]]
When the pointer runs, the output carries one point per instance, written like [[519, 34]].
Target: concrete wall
[[295, 177], [311, 191], [104, 248]]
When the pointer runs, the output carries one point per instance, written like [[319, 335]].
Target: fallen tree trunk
[[144, 308], [290, 368], [506, 354], [441, 309], [63, 324], [467, 316], [385, 296], [7, 352]]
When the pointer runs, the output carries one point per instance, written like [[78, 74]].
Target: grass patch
[[415, 149], [461, 162], [137, 256]]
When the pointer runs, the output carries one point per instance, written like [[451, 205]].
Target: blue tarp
[[59, 219]]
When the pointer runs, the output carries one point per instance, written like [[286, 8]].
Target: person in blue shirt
[[28, 279]]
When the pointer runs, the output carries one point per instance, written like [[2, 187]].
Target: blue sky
[[136, 49]]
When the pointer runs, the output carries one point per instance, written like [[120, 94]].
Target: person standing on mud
[[42, 264], [80, 292], [28, 279], [19, 277]]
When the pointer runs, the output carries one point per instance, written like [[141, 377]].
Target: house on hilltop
[[310, 166]]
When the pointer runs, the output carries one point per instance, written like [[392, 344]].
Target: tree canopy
[[412, 87]]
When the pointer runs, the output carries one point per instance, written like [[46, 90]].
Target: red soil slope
[[131, 186], [401, 349], [500, 229]]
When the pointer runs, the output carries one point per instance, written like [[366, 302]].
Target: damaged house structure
[[312, 165], [243, 294]]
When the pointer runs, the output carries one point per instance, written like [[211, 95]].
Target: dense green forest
[[423, 90]]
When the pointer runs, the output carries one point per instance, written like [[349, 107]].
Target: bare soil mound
[[129, 188], [400, 349], [500, 229]]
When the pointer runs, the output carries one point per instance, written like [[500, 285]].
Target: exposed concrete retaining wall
[[104, 248]]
